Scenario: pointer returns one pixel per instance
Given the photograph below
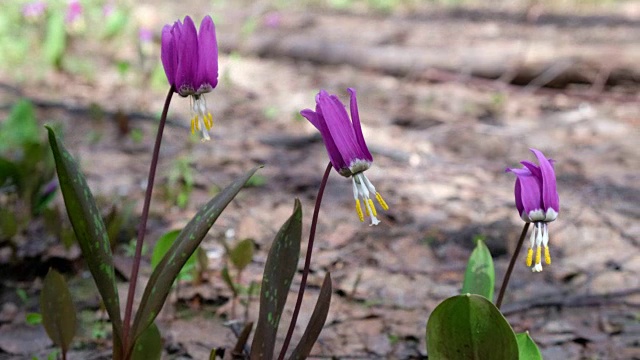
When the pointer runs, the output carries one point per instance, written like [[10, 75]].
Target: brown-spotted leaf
[[159, 285], [281, 265], [89, 229], [58, 312], [316, 323]]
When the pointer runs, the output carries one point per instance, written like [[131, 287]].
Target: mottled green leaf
[[56, 38], [89, 228], [316, 323], [469, 327], [149, 344], [279, 269], [58, 313], [527, 348], [242, 254], [159, 285], [480, 276], [163, 245]]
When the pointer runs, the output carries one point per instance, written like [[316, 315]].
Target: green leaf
[[58, 313], [8, 223], [469, 327], [56, 39], [242, 254], [527, 348], [159, 285], [89, 228], [279, 269], [227, 280], [33, 318], [149, 345], [115, 23], [163, 245], [316, 323], [20, 127], [480, 276]]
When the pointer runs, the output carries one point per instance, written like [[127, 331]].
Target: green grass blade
[[159, 285], [281, 265], [89, 229]]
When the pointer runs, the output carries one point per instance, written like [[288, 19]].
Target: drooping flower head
[[190, 61], [73, 16], [347, 149], [538, 202]]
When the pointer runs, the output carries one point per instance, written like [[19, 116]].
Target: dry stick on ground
[[562, 300]]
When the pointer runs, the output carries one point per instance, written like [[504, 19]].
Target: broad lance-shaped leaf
[[480, 276], [149, 345], [281, 265], [527, 348], [469, 327], [58, 312], [242, 254], [159, 285], [316, 323], [89, 229]]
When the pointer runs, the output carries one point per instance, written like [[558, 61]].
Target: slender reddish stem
[[507, 275], [142, 227], [307, 263]]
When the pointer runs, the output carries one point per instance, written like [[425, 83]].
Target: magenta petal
[[550, 198], [518, 195], [168, 54], [530, 194], [355, 118], [318, 121], [188, 59], [208, 60], [340, 128]]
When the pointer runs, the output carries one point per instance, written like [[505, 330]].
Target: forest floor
[[441, 140]]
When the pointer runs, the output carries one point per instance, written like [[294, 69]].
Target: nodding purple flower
[[538, 202], [74, 12], [33, 10], [347, 149], [190, 61]]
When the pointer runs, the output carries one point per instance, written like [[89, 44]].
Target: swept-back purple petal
[[535, 170], [340, 128], [168, 54], [318, 121], [208, 47], [188, 58], [357, 128], [550, 198]]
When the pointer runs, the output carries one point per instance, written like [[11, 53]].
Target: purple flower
[[538, 202], [347, 149], [74, 12], [33, 10], [190, 61]]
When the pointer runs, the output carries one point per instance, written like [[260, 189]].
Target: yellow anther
[[359, 210], [366, 208], [195, 119], [373, 208], [208, 121], [547, 256], [193, 126], [381, 201], [538, 254], [529, 257]]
